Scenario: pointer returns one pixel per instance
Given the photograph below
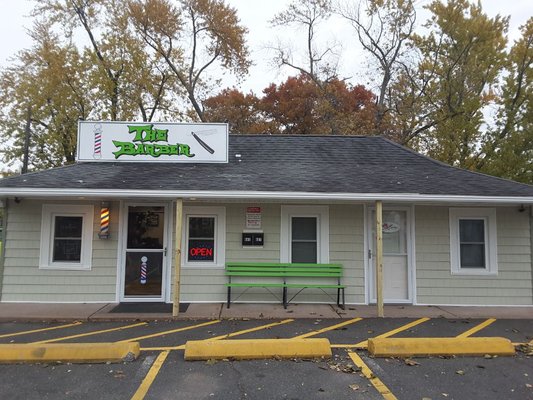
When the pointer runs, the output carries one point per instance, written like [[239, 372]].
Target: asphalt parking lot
[[161, 372]]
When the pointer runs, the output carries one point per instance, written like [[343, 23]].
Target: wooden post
[[379, 257], [177, 257]]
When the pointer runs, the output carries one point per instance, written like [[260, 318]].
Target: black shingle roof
[[313, 164]]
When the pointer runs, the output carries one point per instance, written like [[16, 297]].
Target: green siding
[[24, 281], [346, 247], [436, 284]]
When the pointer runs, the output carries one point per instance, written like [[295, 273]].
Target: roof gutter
[[244, 195]]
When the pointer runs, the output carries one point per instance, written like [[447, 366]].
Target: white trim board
[[260, 195]]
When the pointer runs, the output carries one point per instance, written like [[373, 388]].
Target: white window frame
[[488, 215], [322, 215], [219, 213], [49, 212]]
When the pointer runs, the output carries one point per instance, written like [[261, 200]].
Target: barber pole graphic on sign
[[97, 129]]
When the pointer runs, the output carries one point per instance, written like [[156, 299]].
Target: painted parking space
[[161, 372], [261, 379], [458, 378]]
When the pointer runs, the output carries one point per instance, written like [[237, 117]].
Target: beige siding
[[346, 247], [436, 284], [24, 281]]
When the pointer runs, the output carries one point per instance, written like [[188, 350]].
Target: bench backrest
[[283, 269]]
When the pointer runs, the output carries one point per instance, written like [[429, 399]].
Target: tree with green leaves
[[127, 81], [45, 90], [507, 149]]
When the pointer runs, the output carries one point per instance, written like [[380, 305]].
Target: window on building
[[204, 236], [304, 234], [473, 245], [304, 246], [201, 243], [66, 236]]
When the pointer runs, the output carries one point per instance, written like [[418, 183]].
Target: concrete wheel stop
[[423, 347], [254, 349], [75, 353]]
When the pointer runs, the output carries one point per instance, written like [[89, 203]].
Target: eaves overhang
[[266, 195]]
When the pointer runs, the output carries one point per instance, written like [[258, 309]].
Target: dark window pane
[[201, 227], [67, 250], [201, 250], [146, 227], [472, 255], [472, 230], [68, 227], [303, 228], [304, 252]]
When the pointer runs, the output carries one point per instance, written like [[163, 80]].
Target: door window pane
[[201, 245], [145, 227], [304, 242], [472, 243], [67, 238], [144, 274]]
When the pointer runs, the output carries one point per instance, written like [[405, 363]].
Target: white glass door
[[396, 271], [144, 253]]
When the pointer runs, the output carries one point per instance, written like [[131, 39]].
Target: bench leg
[[285, 298], [229, 295], [343, 302]]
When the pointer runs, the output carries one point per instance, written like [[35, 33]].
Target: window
[[473, 245], [304, 234], [204, 236], [304, 242], [66, 236]]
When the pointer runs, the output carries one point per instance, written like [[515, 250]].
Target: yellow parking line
[[170, 331], [364, 343], [91, 333], [345, 346], [329, 328], [257, 328], [374, 380], [222, 337], [150, 376], [41, 330], [164, 348], [477, 328]]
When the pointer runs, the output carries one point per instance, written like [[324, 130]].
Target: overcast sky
[[255, 15]]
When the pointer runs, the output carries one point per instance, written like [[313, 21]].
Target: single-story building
[[104, 228]]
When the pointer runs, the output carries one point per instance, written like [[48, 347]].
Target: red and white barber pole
[[144, 259]]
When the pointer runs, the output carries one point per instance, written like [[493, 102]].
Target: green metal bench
[[290, 275]]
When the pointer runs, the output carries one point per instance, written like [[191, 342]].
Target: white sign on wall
[[253, 218], [152, 142]]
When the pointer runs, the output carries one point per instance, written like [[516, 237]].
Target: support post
[[379, 257], [177, 257]]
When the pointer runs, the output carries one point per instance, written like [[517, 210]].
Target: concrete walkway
[[101, 312]]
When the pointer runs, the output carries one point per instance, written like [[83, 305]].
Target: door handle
[[369, 254], [165, 252]]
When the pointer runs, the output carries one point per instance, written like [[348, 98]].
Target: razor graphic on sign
[[202, 143]]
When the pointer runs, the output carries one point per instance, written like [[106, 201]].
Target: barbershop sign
[[152, 142]]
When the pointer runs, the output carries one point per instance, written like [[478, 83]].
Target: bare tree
[[317, 63], [192, 37], [382, 27]]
